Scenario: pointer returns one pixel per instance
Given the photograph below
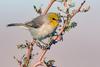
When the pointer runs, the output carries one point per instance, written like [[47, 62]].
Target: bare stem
[[42, 55], [41, 59], [28, 53], [47, 9], [78, 10]]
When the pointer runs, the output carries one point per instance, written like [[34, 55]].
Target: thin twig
[[47, 9], [42, 55], [41, 59], [28, 53], [78, 10]]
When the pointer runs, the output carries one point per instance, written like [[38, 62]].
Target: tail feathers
[[15, 24]]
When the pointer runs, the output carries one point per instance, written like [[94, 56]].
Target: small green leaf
[[70, 26]]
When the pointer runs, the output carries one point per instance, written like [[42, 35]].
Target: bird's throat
[[54, 24]]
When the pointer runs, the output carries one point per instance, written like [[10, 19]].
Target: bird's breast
[[42, 32]]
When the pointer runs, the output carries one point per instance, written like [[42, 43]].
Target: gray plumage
[[36, 26], [35, 23]]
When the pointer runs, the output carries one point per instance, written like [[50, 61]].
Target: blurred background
[[80, 48]]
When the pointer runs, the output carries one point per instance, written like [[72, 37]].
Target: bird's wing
[[37, 22]]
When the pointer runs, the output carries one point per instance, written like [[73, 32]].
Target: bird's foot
[[45, 46]]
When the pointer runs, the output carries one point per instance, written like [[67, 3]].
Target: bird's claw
[[44, 47]]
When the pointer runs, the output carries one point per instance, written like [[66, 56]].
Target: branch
[[41, 59], [67, 2], [28, 53], [78, 10], [47, 9]]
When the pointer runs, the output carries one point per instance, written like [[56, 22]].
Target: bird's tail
[[15, 24]]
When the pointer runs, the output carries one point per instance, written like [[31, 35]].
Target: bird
[[42, 26]]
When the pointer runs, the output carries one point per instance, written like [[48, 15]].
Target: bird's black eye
[[53, 19]]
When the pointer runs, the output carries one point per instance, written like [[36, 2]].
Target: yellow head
[[54, 19]]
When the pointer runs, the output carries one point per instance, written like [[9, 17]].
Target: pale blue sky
[[80, 48]]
